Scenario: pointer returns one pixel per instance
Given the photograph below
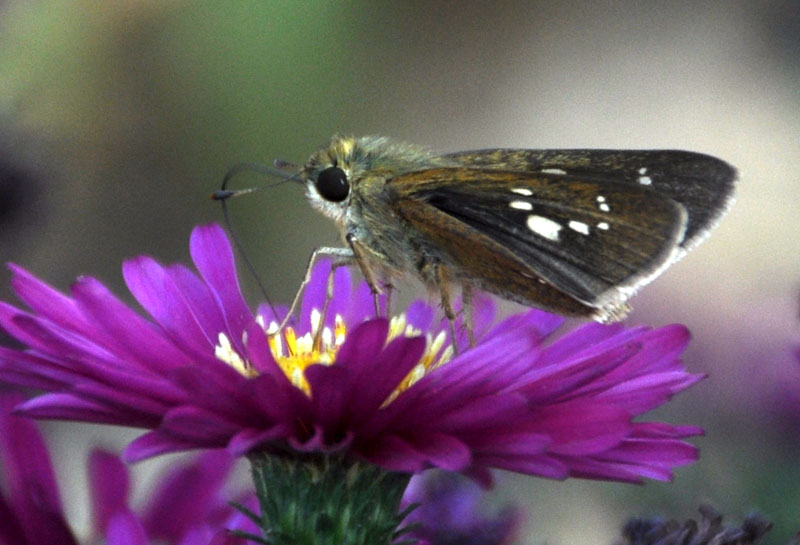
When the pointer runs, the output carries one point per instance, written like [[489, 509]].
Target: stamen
[[438, 343], [327, 338], [224, 351], [396, 325], [316, 321], [291, 341], [294, 354], [305, 345], [299, 380], [447, 355], [340, 330], [276, 346]]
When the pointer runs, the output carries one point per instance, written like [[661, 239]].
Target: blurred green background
[[118, 118]]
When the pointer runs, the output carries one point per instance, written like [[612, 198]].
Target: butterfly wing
[[704, 185], [594, 241]]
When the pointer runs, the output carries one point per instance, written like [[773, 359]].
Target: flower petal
[[213, 256], [363, 344], [186, 496], [155, 443], [125, 529], [70, 407], [49, 302], [134, 339], [30, 479], [109, 484], [156, 291]]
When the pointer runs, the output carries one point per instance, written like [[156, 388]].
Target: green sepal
[[327, 500], [250, 537]]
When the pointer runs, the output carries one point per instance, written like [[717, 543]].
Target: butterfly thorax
[[366, 213]]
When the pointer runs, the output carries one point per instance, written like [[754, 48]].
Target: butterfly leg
[[442, 276], [361, 256], [389, 288], [342, 256], [320, 326], [469, 312]]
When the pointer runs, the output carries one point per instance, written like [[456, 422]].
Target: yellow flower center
[[294, 354]]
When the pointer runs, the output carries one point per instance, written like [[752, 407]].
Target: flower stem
[[320, 500]]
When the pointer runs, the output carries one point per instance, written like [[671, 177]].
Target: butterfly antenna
[[223, 194]]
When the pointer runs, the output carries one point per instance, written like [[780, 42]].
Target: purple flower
[[186, 508], [448, 512], [205, 373], [705, 531]]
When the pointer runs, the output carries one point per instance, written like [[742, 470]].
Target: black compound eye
[[332, 184]]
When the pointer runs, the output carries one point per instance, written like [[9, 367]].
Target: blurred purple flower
[[186, 508], [449, 513], [708, 530], [206, 374]]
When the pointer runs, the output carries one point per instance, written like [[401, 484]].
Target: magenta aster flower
[[187, 507], [205, 372]]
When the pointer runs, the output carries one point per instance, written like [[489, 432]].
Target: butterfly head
[[348, 164], [328, 174]]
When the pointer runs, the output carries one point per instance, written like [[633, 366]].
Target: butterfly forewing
[[701, 183], [595, 240]]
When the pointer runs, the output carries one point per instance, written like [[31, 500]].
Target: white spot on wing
[[522, 191], [604, 207], [601, 198], [579, 226], [521, 205], [643, 170], [553, 171], [645, 180], [603, 225], [544, 226]]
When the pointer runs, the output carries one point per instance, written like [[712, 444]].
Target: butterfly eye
[[332, 184]]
